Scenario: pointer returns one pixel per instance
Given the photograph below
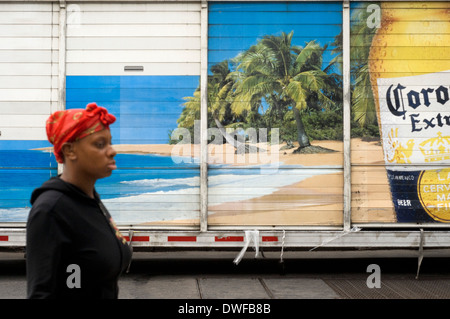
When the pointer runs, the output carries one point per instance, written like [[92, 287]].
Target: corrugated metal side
[[280, 189], [371, 198], [163, 38], [28, 94], [139, 60], [400, 42], [29, 68], [142, 61]]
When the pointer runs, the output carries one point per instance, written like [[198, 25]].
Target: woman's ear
[[68, 150]]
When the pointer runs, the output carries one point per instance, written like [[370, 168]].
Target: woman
[[74, 249]]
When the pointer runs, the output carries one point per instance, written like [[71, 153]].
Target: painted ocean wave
[[166, 192], [184, 203]]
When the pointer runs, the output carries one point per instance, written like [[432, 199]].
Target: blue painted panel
[[22, 145], [269, 18], [103, 96], [146, 107], [162, 82], [133, 82], [279, 6], [236, 26], [27, 159], [85, 82], [301, 32], [235, 45]]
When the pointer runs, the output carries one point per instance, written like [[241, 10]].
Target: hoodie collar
[[57, 184]]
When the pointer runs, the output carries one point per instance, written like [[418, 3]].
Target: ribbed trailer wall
[[28, 94], [185, 78], [139, 60], [29, 77]]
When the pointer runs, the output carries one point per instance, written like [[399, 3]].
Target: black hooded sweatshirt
[[73, 250]]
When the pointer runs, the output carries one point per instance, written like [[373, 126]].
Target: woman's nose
[[112, 151]]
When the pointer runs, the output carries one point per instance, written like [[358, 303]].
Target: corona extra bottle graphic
[[409, 66]]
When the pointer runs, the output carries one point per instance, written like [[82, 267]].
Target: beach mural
[[275, 151], [150, 185], [257, 172], [26, 98], [21, 168], [274, 113]]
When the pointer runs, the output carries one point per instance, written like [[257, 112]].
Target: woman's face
[[95, 155]]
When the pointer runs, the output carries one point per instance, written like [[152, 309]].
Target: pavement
[[205, 276]]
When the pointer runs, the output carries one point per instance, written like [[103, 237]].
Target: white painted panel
[[28, 58], [8, 121], [35, 30], [122, 7], [54, 69], [54, 94], [25, 94], [25, 17], [26, 43], [124, 56], [139, 17], [25, 69], [25, 56], [26, 6], [103, 38], [134, 43], [25, 82], [134, 30], [118, 69], [22, 107], [24, 133], [55, 43]]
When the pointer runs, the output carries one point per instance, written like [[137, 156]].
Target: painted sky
[[235, 26], [147, 107]]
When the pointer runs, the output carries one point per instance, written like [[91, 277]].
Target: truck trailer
[[308, 126]]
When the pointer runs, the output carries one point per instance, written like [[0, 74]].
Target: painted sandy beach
[[314, 198]]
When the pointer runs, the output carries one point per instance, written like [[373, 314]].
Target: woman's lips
[[112, 166]]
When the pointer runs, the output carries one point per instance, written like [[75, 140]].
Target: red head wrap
[[74, 124]]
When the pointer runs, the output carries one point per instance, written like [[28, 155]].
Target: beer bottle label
[[415, 127], [415, 119]]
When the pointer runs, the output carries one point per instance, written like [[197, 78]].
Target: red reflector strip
[[137, 238], [181, 238], [269, 238], [4, 238], [229, 238]]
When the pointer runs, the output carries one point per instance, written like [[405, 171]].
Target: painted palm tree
[[219, 87], [363, 104], [191, 111], [284, 74]]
